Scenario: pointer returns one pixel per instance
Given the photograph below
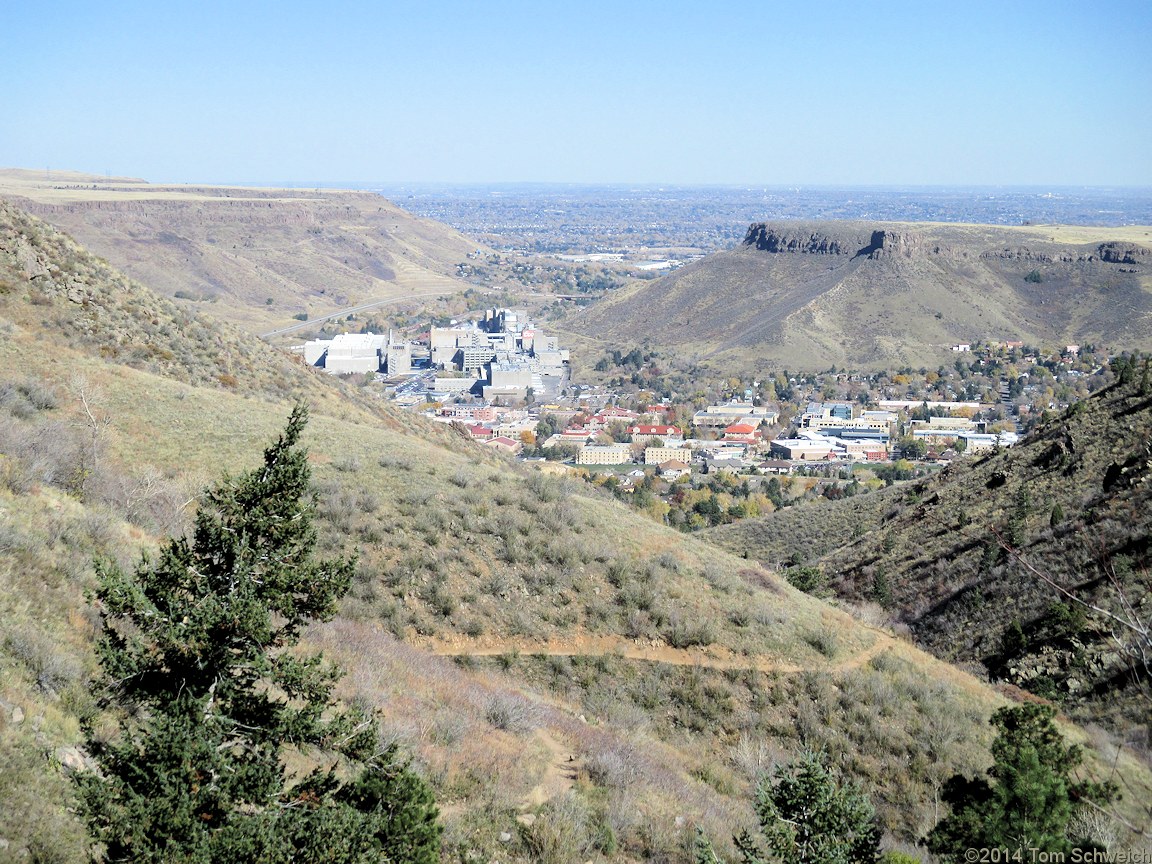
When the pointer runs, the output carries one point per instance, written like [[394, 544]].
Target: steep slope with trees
[[1033, 561], [197, 650]]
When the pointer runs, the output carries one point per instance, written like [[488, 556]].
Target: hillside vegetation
[[1033, 562], [576, 682], [256, 258], [813, 295]]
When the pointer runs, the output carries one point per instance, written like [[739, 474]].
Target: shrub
[[562, 832], [685, 634], [510, 713], [824, 640], [810, 580]]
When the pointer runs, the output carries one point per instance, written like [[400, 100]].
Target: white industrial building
[[357, 353]]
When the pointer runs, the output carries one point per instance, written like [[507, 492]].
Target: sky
[[685, 92]]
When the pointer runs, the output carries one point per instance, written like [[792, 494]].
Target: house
[[804, 449], [480, 433], [673, 469], [473, 413], [731, 466], [719, 416], [658, 455], [744, 433], [611, 414], [776, 466], [505, 444], [983, 443]]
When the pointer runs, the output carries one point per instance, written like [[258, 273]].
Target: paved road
[[312, 322]]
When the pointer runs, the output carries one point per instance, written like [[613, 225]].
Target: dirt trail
[[562, 768], [710, 657], [559, 775]]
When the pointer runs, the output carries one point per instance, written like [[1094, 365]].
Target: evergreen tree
[[807, 816], [702, 851], [1031, 796], [197, 651]]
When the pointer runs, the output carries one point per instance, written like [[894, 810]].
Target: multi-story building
[[719, 416], [657, 455], [605, 454]]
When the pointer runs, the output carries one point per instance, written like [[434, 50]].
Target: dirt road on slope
[[709, 657]]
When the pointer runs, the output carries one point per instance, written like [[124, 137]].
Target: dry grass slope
[[228, 251]]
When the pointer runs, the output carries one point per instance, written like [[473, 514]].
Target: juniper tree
[[198, 653]]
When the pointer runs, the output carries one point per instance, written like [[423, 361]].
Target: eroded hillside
[[253, 257]]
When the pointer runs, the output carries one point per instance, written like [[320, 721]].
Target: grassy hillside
[[576, 682], [813, 295], [806, 532], [253, 257]]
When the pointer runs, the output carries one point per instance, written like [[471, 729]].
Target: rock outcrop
[[841, 239], [1124, 253], [798, 239]]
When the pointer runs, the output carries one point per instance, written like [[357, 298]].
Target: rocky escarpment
[[905, 244], [1124, 253], [1106, 253], [842, 239], [852, 240], [801, 240]]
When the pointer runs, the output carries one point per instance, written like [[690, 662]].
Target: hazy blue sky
[[707, 91]]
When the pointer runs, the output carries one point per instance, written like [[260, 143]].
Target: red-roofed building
[[480, 433], [611, 413], [503, 442], [743, 433]]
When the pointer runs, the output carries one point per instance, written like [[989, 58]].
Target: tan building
[[605, 454], [802, 449], [659, 455]]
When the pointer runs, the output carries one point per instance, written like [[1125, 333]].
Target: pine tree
[[1031, 796], [197, 652], [807, 816]]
